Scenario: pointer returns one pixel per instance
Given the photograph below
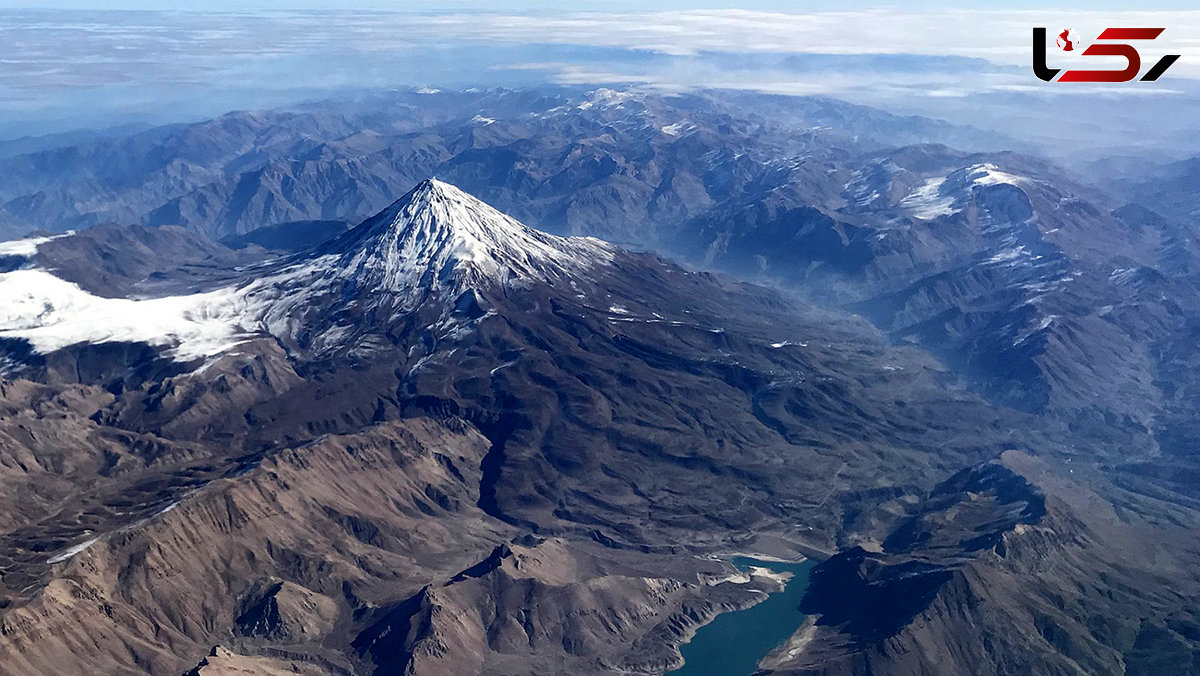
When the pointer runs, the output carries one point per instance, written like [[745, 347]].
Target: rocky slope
[[954, 580], [1033, 289]]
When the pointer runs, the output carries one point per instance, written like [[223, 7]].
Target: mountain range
[[442, 441], [998, 263]]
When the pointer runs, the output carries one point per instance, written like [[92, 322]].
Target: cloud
[[82, 49], [1002, 37], [92, 67]]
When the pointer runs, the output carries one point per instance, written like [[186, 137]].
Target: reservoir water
[[733, 643]]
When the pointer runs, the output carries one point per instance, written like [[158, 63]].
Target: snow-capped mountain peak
[[418, 255], [438, 234]]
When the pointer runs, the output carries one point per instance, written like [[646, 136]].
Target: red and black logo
[[1067, 42]]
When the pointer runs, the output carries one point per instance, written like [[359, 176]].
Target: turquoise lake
[[733, 643]]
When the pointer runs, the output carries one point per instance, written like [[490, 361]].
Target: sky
[[518, 6], [91, 66]]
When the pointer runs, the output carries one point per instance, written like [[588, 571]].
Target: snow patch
[[677, 128], [1007, 255], [501, 367], [927, 202], [28, 246], [52, 314], [1042, 325], [70, 552], [604, 98], [1123, 275], [864, 186], [989, 174]]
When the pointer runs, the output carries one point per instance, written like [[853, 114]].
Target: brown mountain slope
[[1060, 580], [321, 559]]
